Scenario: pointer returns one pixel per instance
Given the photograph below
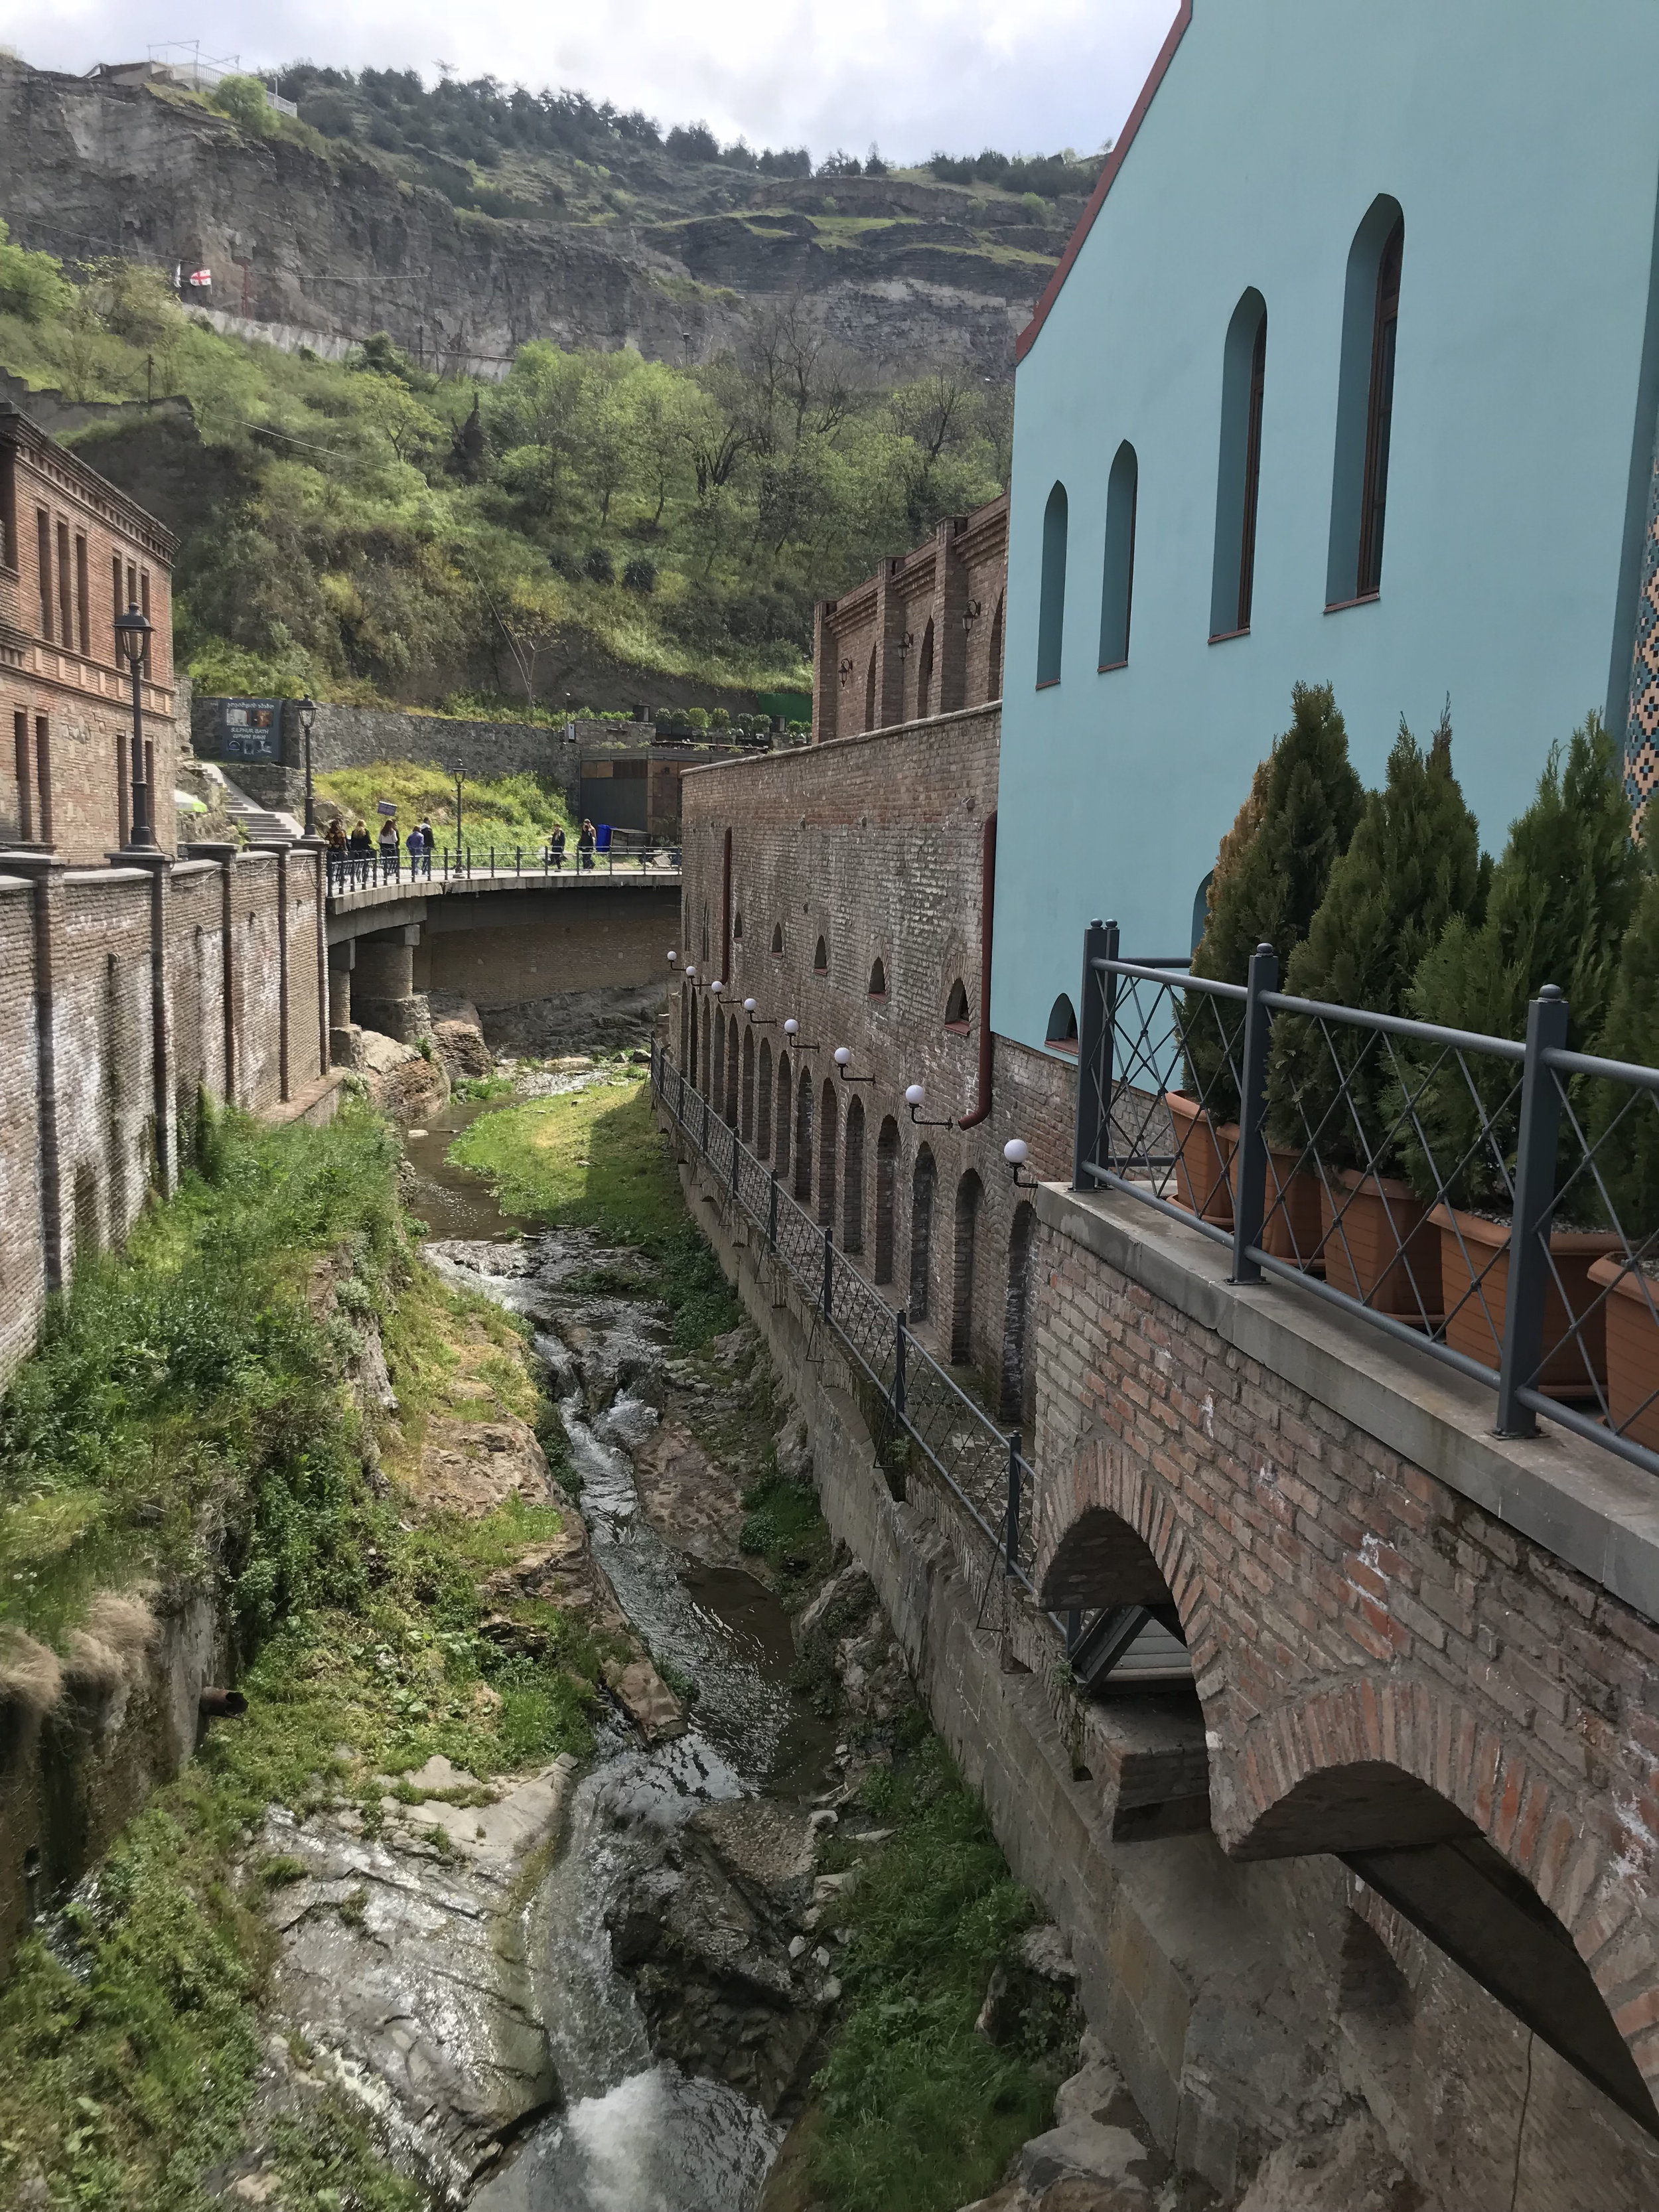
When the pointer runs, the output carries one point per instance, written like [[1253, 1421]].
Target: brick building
[[922, 636], [75, 552]]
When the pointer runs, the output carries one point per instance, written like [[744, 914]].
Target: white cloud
[[958, 74]]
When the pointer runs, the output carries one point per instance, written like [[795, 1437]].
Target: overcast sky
[[913, 75]]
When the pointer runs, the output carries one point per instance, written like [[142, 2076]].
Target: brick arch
[[1381, 1770], [1104, 1530]]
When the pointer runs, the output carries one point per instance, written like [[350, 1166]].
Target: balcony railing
[[372, 871]]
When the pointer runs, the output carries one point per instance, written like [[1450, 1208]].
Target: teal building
[[1349, 374]]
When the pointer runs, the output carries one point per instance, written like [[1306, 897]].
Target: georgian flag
[[201, 276]]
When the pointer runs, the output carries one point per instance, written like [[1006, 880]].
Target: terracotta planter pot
[[1202, 1182], [1291, 1229], [1633, 1349], [1387, 1250], [1473, 1250]]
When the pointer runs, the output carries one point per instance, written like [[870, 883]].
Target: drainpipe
[[987, 885]]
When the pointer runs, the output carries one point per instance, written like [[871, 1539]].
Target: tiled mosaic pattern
[[1642, 730]]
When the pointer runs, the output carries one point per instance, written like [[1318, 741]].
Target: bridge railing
[[1490, 1200], [980, 1464], [536, 863]]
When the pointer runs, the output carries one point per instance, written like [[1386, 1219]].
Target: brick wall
[[875, 846], [86, 1135], [516, 946], [65, 692]]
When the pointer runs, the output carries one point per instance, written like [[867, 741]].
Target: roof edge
[[1103, 183]]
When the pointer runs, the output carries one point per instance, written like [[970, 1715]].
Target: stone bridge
[[502, 940], [1447, 1678]]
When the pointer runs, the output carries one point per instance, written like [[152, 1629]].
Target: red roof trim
[[1027, 338]]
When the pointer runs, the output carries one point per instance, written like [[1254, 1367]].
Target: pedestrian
[[584, 844], [389, 847], [556, 844], [359, 848], [334, 838], [416, 841]]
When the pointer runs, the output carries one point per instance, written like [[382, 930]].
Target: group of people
[[349, 852], [586, 838]]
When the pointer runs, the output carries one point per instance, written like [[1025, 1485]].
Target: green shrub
[[32, 285], [243, 100], [1413, 864], [1624, 1124]]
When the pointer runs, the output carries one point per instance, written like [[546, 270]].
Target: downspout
[[987, 885]]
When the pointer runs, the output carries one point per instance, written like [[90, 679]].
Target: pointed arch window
[[956, 1007], [1118, 573], [1364, 407], [1061, 1035], [1238, 472], [870, 691], [821, 958], [925, 674], [878, 981], [777, 940], [1051, 604]]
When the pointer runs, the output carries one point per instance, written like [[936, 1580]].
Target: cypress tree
[[1269, 894], [1413, 865], [1562, 897]]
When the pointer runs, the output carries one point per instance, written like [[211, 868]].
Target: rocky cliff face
[[311, 239]]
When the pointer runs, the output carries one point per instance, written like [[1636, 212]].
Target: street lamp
[[307, 717], [791, 1030], [915, 1097], [133, 632], [843, 1060], [1017, 1152], [757, 1021]]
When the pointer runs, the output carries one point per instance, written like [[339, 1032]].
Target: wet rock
[[706, 1933], [627, 1423], [688, 1498], [650, 1704]]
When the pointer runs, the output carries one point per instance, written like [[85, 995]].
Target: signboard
[[387, 806], [250, 729]]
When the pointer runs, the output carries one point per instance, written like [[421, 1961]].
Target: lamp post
[[134, 631], [307, 718]]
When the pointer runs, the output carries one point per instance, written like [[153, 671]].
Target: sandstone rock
[[688, 1498], [471, 1466], [402, 1082], [650, 1704]]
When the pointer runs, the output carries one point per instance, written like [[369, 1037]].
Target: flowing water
[[634, 2134]]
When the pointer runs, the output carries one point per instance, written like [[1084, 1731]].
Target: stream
[[634, 2135]]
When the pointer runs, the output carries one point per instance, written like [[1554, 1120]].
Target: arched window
[[852, 1229], [707, 1044], [763, 1102], [1061, 1035], [1238, 472], [969, 1191], [925, 672], [777, 940], [993, 670], [828, 1113], [686, 1030], [922, 1185], [1051, 604], [1015, 1310], [717, 1066], [748, 1122], [887, 1146], [732, 1052], [956, 1007], [803, 1136], [1118, 574], [1365, 405], [821, 958], [878, 981], [869, 692], [786, 1112], [737, 925]]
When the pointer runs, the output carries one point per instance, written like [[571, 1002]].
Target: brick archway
[[1507, 1870]]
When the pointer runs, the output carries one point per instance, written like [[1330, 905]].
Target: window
[[43, 774], [1365, 405], [118, 607], [956, 1007], [143, 609], [1238, 472], [777, 940], [1061, 1035], [20, 737], [925, 673], [878, 981], [43, 562], [785, 1108], [736, 927], [763, 1102], [66, 590], [1051, 604], [82, 599], [993, 674], [869, 692], [821, 958], [9, 556], [887, 1146], [1118, 572]]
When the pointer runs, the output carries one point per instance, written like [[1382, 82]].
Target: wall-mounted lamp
[[907, 641], [1017, 1152], [791, 1030], [842, 1059], [673, 957], [915, 1097], [691, 973], [846, 673], [970, 616], [716, 988], [757, 1021]]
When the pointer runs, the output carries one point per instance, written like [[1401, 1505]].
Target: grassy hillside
[[375, 531]]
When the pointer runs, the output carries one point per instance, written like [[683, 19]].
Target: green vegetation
[[920, 2113], [366, 530], [1625, 1128], [189, 1411], [506, 811]]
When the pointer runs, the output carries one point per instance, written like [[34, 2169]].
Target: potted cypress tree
[[1269, 894], [1625, 1128], [1562, 897], [1413, 864]]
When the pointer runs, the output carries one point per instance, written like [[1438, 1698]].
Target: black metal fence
[[980, 1464], [362, 872], [1493, 1202]]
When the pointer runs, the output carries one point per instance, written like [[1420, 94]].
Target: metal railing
[[370, 870], [980, 1463], [1493, 1202]]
